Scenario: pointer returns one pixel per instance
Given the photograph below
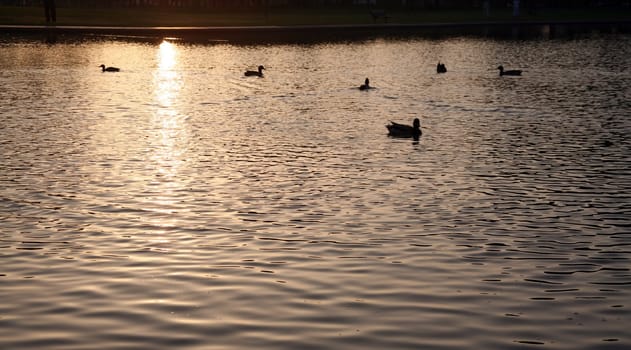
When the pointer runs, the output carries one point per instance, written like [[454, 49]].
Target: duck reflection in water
[[405, 131]]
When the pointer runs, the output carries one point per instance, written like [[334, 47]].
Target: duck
[[440, 68], [253, 73], [508, 72], [366, 85], [406, 131], [109, 69]]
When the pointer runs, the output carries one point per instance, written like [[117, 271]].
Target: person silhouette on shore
[[50, 11]]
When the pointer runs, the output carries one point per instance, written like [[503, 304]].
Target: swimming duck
[[109, 69], [253, 73], [440, 68], [508, 72], [402, 130], [366, 85]]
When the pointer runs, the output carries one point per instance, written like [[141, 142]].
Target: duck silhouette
[[366, 85], [109, 69], [508, 72], [405, 131], [440, 68], [253, 73]]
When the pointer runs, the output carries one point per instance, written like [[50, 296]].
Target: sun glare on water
[[166, 77], [169, 134]]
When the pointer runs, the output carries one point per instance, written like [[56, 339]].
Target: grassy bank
[[283, 17]]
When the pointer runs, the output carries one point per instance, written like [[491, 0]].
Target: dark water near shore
[[180, 205], [310, 34]]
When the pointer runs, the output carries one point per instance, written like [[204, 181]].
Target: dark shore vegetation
[[291, 16]]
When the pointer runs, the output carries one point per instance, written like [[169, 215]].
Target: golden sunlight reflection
[[166, 55], [166, 77], [168, 134]]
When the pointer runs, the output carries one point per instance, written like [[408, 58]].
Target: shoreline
[[257, 32]]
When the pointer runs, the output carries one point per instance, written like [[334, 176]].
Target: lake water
[[180, 205]]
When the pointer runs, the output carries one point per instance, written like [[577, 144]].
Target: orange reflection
[[167, 77], [169, 135]]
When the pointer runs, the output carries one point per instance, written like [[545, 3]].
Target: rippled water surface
[[180, 205]]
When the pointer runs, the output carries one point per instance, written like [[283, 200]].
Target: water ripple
[[179, 204]]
